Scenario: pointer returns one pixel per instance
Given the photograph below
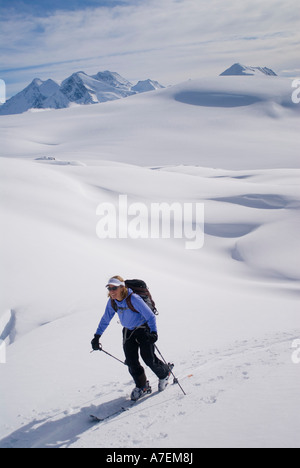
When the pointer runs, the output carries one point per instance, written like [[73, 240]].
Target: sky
[[170, 41]]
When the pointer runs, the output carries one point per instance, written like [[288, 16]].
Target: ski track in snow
[[206, 378]]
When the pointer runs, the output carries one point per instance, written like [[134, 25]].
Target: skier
[[139, 334]]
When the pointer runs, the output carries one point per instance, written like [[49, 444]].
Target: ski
[[96, 419], [123, 409], [131, 403]]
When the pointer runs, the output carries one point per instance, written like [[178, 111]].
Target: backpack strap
[[114, 305], [130, 305], [128, 302]]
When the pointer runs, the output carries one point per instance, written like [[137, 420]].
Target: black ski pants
[[135, 341]]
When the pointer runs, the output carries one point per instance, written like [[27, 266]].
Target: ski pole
[[176, 381], [108, 354]]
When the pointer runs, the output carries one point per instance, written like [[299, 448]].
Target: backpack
[[140, 288]]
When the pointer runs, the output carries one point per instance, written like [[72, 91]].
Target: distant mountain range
[[240, 70], [78, 88], [82, 89]]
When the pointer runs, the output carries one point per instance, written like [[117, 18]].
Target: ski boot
[[138, 393], [163, 383]]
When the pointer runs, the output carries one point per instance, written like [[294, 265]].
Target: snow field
[[228, 312]]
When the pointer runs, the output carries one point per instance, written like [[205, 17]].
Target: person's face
[[115, 292]]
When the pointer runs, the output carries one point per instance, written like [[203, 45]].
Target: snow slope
[[227, 122], [229, 313]]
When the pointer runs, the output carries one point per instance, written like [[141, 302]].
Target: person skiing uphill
[[139, 334]]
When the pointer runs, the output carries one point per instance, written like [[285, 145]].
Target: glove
[[152, 337], [96, 342]]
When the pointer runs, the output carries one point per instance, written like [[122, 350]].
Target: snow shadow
[[64, 432], [229, 231], [215, 99], [7, 326], [262, 202]]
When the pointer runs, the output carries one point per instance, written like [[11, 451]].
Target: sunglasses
[[112, 288]]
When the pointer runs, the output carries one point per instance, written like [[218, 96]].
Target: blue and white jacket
[[128, 318]]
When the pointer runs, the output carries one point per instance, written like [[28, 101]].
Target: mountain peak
[[147, 85], [113, 79], [244, 70], [36, 82]]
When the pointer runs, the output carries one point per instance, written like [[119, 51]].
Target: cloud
[[169, 40], [46, 7]]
